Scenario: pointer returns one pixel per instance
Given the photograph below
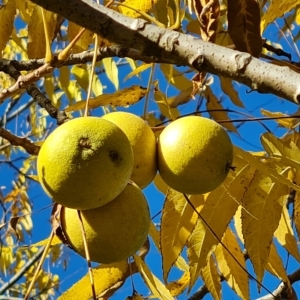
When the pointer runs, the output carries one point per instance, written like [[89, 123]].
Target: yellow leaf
[[177, 222], [211, 278], [111, 71], [177, 287], [157, 288], [276, 9], [36, 47], [127, 96], [140, 5], [285, 234], [288, 123], [106, 278], [260, 218], [228, 88], [275, 265], [164, 107], [83, 42], [25, 9], [6, 259], [235, 276], [7, 16], [182, 98], [81, 74], [254, 161], [138, 70], [155, 235], [176, 78], [216, 110], [220, 206], [55, 241]]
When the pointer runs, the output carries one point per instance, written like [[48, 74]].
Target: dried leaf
[[157, 288], [260, 218], [244, 25], [207, 12], [36, 47], [177, 222], [235, 276], [7, 16], [211, 278], [285, 234], [127, 96]]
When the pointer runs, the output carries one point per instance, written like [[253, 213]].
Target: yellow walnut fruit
[[194, 155], [143, 142], [114, 231], [85, 163]]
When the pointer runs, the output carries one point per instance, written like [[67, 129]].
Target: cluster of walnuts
[[99, 166]]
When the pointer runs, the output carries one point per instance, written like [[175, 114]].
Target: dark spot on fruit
[[85, 143], [115, 157]]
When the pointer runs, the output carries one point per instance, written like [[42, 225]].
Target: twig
[[17, 276], [30, 147]]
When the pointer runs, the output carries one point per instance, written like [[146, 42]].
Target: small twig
[[37, 271], [30, 147]]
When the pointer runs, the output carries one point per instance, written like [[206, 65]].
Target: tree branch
[[172, 47], [30, 147]]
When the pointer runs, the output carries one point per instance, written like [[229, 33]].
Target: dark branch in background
[[14, 140], [8, 67], [172, 47]]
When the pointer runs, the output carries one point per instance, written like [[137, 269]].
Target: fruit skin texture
[[85, 163], [114, 231], [194, 155], [143, 142]]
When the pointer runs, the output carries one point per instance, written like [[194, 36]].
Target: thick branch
[[172, 47], [30, 147]]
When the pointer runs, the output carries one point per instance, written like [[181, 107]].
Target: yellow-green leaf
[[36, 47], [216, 110], [260, 218], [275, 265], [127, 96], [228, 88], [177, 287], [235, 276], [219, 208], [140, 5], [55, 241], [157, 288], [7, 16], [288, 123], [111, 71], [83, 42], [176, 78], [254, 161], [138, 70], [106, 279], [177, 222], [276, 9], [211, 278], [285, 235]]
